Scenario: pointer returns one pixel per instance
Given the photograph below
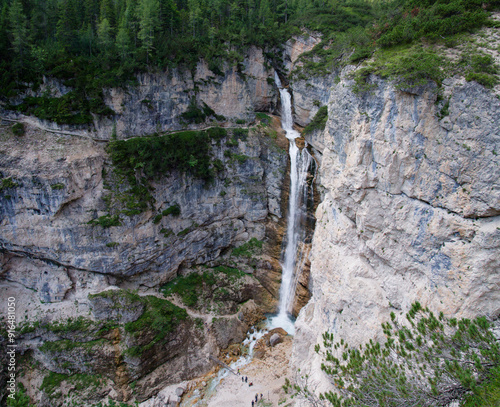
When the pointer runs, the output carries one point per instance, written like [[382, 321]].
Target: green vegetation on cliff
[[401, 36], [214, 289], [430, 360], [95, 44], [318, 122], [158, 319]]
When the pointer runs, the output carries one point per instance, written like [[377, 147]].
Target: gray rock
[[275, 339], [410, 212]]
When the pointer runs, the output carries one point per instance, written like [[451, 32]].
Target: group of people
[[256, 399], [244, 379]]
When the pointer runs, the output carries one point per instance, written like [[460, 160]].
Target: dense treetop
[[91, 44]]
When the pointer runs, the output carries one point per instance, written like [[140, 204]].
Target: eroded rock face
[[410, 212], [53, 261], [157, 101], [45, 216]]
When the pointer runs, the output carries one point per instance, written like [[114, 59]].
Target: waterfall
[[300, 162]]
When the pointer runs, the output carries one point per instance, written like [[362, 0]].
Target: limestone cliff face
[[59, 189], [410, 212], [52, 260], [156, 102]]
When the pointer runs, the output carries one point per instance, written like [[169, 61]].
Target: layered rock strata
[[55, 263]]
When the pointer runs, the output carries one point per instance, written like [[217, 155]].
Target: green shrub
[[106, 221], [487, 394], [481, 68], [217, 133], [18, 129], [318, 122], [241, 134], [173, 210], [8, 183], [429, 361], [57, 186], [488, 81]]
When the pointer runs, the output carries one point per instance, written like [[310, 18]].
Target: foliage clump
[[212, 284], [70, 108], [8, 183], [197, 114], [248, 249], [18, 129], [318, 122], [187, 151], [430, 361], [159, 317], [80, 381], [189, 287]]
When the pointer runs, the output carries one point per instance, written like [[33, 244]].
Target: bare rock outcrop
[[410, 212]]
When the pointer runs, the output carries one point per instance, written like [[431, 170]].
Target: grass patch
[[69, 345], [160, 317], [263, 118], [189, 288], [82, 382], [248, 249]]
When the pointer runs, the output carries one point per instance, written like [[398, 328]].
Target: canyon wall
[[54, 260], [410, 210], [157, 99]]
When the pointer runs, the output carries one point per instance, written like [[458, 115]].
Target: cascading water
[[300, 162], [292, 257]]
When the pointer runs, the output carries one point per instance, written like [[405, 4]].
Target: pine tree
[[18, 29], [67, 24], [148, 11], [104, 35], [108, 13], [123, 40]]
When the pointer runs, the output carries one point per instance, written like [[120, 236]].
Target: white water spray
[[300, 161]]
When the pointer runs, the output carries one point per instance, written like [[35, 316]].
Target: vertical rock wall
[[410, 212]]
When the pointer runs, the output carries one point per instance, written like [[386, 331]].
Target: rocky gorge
[[409, 210]]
